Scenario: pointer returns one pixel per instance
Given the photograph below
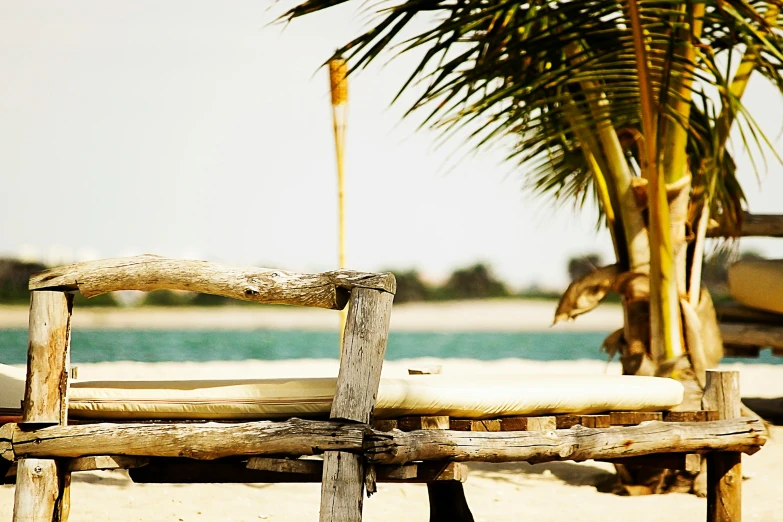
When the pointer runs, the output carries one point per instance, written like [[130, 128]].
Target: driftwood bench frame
[[47, 448]]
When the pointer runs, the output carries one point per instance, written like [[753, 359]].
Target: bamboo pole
[[338, 84]]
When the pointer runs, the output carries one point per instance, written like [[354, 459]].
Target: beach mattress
[[477, 397], [758, 284]]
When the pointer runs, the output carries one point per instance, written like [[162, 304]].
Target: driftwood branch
[[760, 225], [398, 447], [196, 441], [146, 273]]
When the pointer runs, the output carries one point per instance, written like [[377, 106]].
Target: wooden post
[[42, 487], [724, 469], [363, 349]]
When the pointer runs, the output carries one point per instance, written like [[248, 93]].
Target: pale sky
[[197, 129]]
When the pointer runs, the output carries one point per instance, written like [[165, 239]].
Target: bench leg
[[447, 502], [43, 485], [342, 487]]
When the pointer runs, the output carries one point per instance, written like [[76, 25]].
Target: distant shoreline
[[497, 315]]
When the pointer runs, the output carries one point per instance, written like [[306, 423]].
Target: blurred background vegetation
[[473, 282]]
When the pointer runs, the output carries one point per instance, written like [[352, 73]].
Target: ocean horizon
[[152, 345]]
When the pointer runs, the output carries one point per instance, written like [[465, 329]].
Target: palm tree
[[627, 102]]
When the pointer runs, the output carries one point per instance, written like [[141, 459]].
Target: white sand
[[500, 315], [508, 492]]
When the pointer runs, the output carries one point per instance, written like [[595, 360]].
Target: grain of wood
[[363, 349], [724, 470], [631, 418], [474, 424], [341, 487], [37, 490], [423, 422], [578, 444], [303, 466], [384, 424], [197, 441], [690, 416], [47, 358], [588, 421], [147, 272]]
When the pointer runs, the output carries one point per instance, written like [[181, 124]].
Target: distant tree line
[[472, 282]]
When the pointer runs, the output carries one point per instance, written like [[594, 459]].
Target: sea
[[89, 346]]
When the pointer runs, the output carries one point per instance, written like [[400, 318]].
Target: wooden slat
[[384, 424], [474, 424], [631, 418], [146, 273], [588, 421], [399, 447], [736, 313], [361, 358], [528, 423], [301, 466], [738, 350], [724, 470], [423, 422], [690, 416]]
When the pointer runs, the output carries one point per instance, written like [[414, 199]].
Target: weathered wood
[[578, 444], [757, 225], [690, 416], [762, 335], [631, 418], [363, 349], [37, 490], [47, 358], [678, 461], [426, 370], [226, 470], [423, 422], [439, 471], [301, 466], [588, 421], [43, 488], [327, 290], [197, 441], [724, 470], [342, 487], [384, 424], [361, 358], [470, 424], [106, 462]]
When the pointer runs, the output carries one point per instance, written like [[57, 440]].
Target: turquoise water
[[221, 345]]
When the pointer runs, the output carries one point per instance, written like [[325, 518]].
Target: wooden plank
[[384, 424], [425, 370], [690, 416], [196, 441], [106, 462], [679, 461], [761, 335], [43, 488], [473, 424], [398, 447], [632, 418], [147, 273], [588, 421], [756, 225], [361, 358], [423, 422], [439, 471], [528, 423], [302, 466], [724, 470], [736, 313]]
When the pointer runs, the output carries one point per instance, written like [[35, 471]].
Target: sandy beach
[[509, 492], [506, 492], [496, 315]]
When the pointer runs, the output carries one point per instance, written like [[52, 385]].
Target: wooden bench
[[45, 448]]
